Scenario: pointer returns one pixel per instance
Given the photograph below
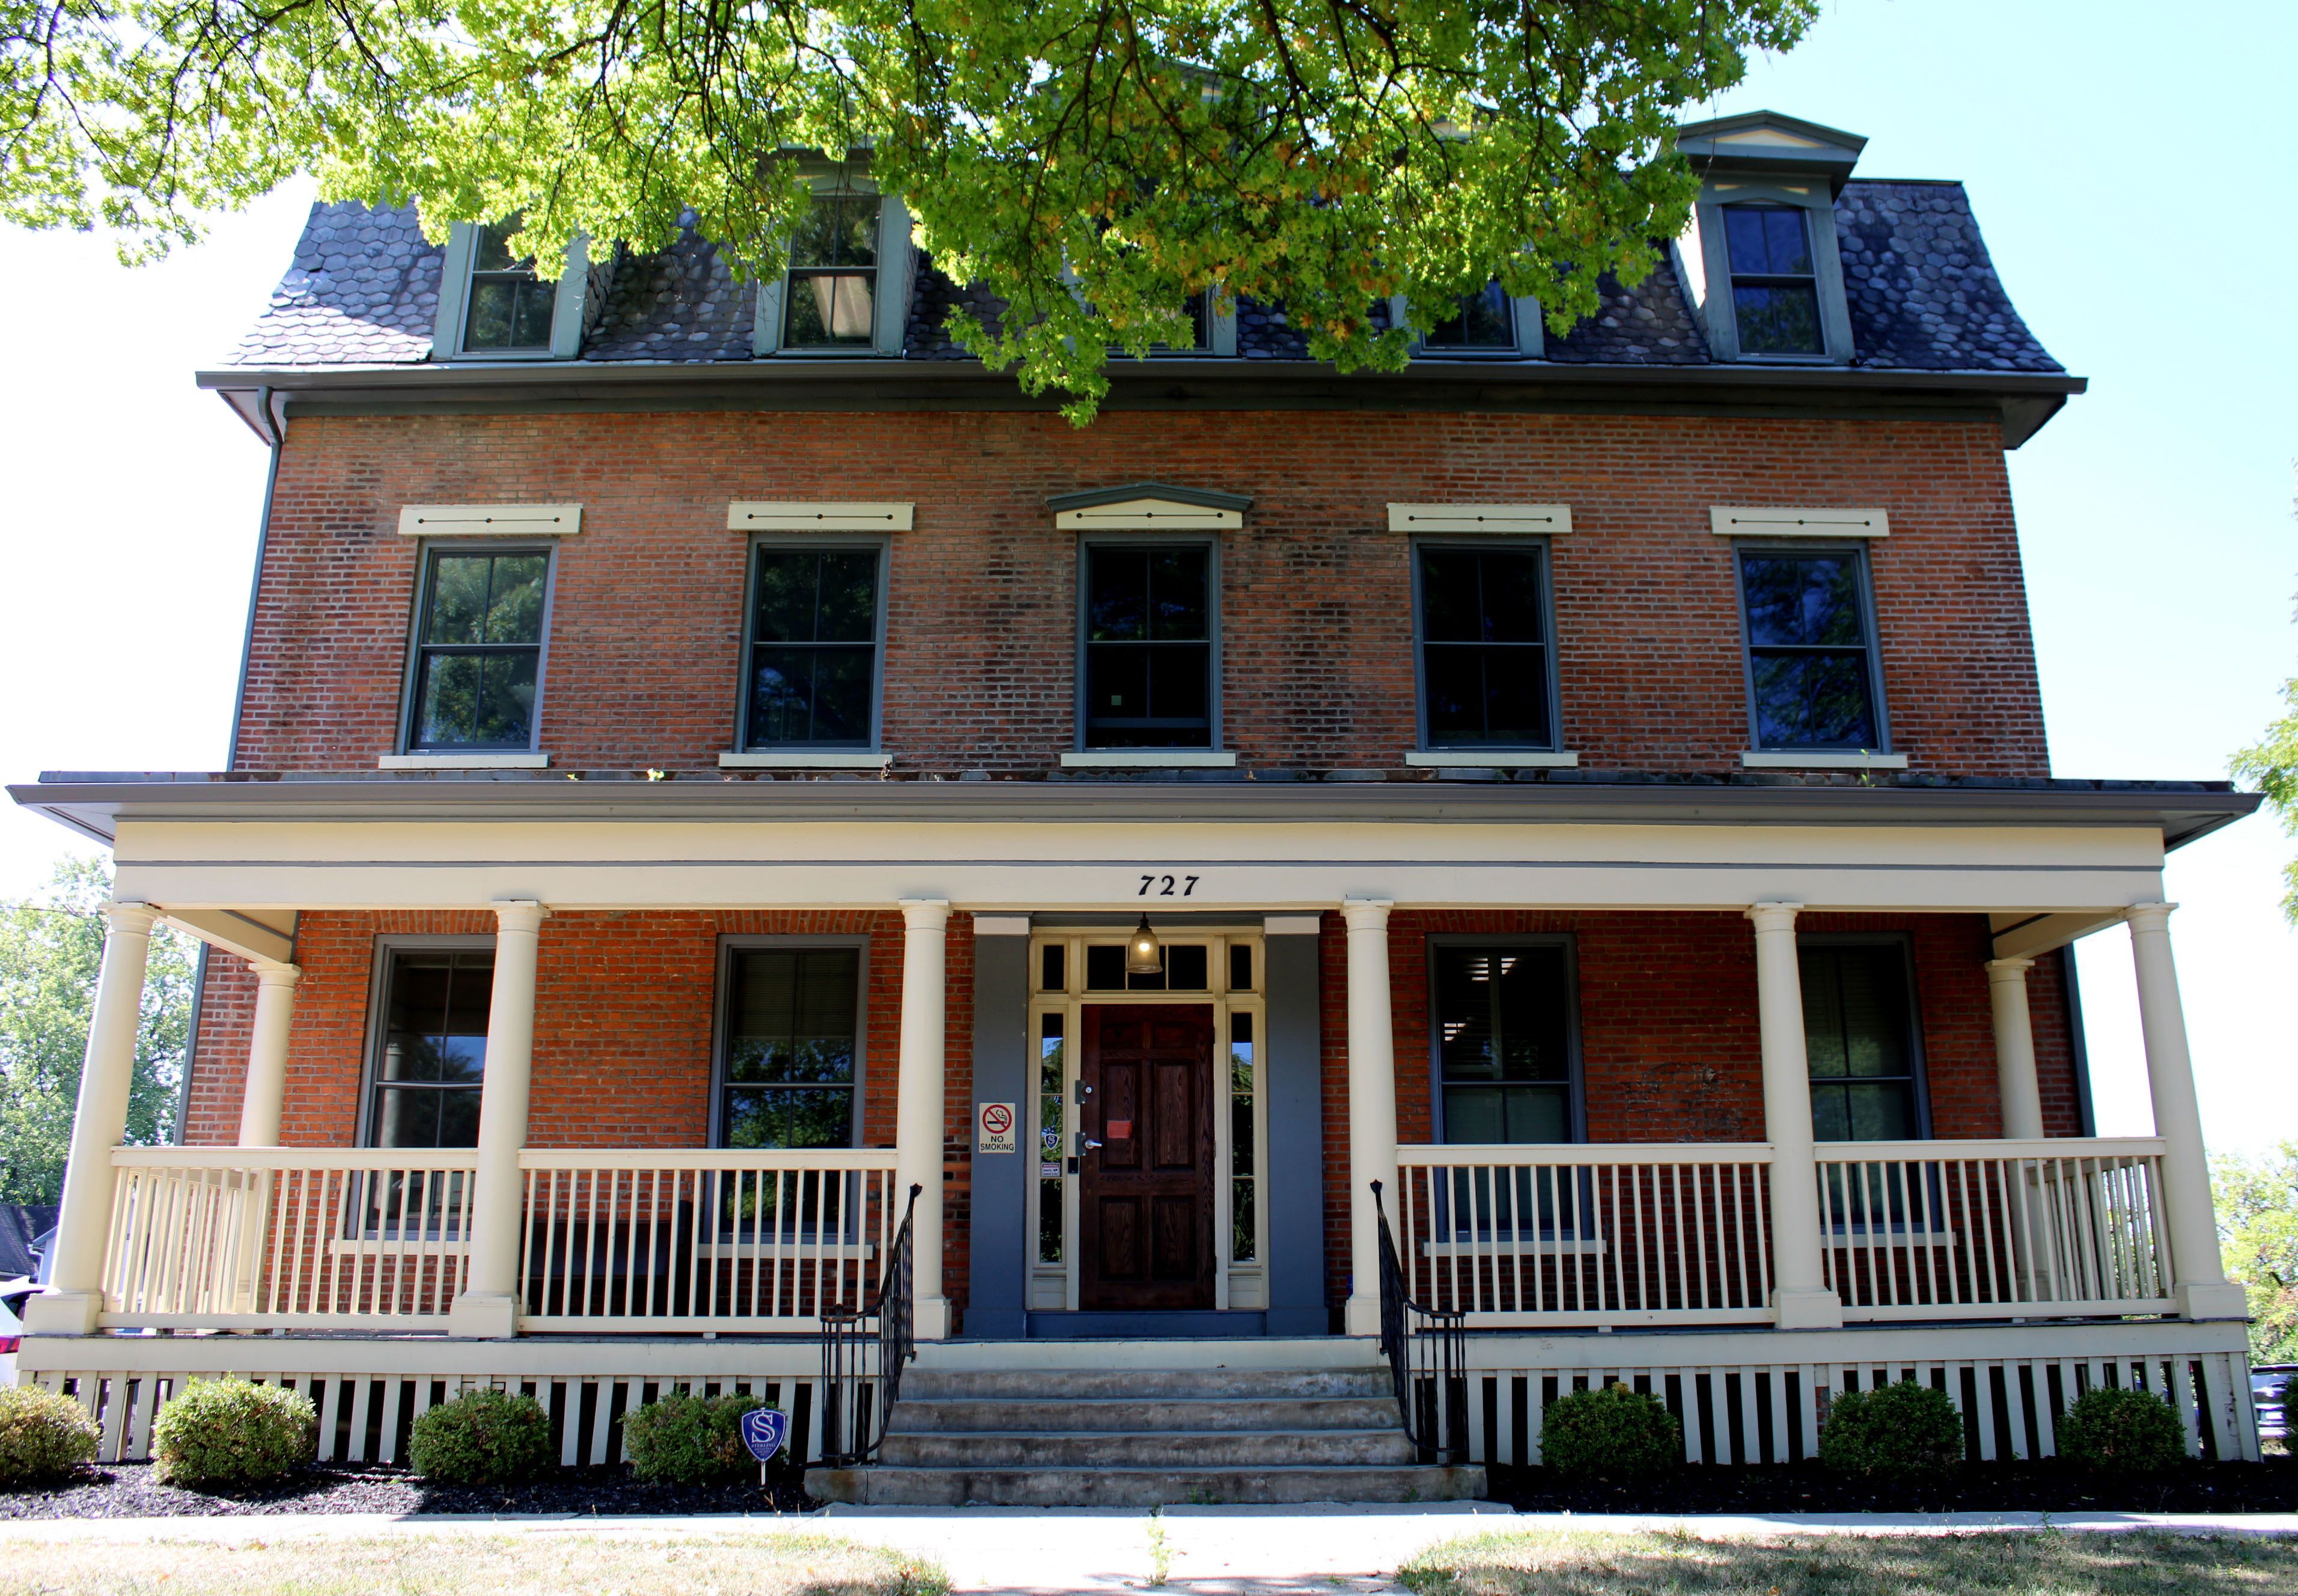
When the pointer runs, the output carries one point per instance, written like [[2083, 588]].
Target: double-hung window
[[1503, 1040], [429, 1065], [1486, 322], [1148, 646], [507, 307], [1775, 284], [792, 1055], [1858, 1026], [831, 301], [1812, 677], [815, 617], [1486, 680], [478, 649]]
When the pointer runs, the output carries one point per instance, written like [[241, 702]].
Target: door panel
[[1147, 1190]]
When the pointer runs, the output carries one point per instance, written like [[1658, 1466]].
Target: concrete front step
[[1163, 1449], [888, 1487], [915, 1416], [922, 1383]]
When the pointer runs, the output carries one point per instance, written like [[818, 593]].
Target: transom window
[[432, 1052], [831, 298], [510, 306], [1502, 1015], [478, 649], [1484, 677], [1486, 320], [813, 649], [1148, 646], [1858, 1023], [793, 1025], [1811, 667], [1774, 291]]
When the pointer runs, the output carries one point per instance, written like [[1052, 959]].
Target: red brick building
[[711, 760]]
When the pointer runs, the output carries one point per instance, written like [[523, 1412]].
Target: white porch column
[[1372, 1106], [919, 1105], [1800, 1294], [266, 1090], [75, 1295], [489, 1305], [2014, 1050], [2204, 1291]]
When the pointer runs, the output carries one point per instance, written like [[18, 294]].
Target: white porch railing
[[674, 1240], [1588, 1234], [287, 1237], [1995, 1229]]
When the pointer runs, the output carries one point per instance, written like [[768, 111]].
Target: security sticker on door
[[993, 1122]]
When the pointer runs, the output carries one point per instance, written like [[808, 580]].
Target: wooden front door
[[1145, 1217]]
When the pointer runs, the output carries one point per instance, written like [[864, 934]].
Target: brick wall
[[1669, 1046], [1318, 669]]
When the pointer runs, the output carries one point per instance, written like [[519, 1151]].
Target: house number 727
[[1165, 886]]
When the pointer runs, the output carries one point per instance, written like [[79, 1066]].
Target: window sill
[[1822, 760], [1494, 758], [799, 759], [464, 762], [1150, 759]]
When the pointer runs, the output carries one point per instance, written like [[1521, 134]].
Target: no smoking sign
[[993, 1124]]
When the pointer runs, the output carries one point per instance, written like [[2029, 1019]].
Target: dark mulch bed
[[129, 1491], [2045, 1486]]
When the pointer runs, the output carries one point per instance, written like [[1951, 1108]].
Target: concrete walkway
[[1205, 1551]]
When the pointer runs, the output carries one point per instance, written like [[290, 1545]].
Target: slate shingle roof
[[1923, 297]]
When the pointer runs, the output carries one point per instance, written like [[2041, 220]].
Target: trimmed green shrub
[[43, 1433], [481, 1438], [1906, 1431], [684, 1439], [1616, 1431], [232, 1432], [2126, 1432]]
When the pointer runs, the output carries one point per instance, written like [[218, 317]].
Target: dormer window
[[833, 294], [1775, 287], [510, 306], [1486, 322]]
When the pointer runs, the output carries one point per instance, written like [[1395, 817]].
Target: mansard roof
[[363, 291]]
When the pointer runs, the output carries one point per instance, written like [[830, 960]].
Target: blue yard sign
[[764, 1430]]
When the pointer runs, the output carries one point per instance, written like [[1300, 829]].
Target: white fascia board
[[490, 520], [1150, 759], [1774, 521], [1850, 761], [1550, 519], [464, 762], [1493, 758], [1292, 925], [1147, 515], [801, 515], [1001, 925], [798, 759]]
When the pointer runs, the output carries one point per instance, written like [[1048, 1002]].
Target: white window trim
[[1786, 759], [567, 315], [1704, 261], [1524, 311], [1788, 521], [896, 269]]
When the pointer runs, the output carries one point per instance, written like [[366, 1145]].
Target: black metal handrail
[[1428, 1352], [849, 1407]]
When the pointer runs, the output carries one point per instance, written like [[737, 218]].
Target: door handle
[[1086, 1144]]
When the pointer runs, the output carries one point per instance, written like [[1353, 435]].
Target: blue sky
[[2128, 168]]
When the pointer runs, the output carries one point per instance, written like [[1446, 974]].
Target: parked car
[[2270, 1394], [13, 1293]]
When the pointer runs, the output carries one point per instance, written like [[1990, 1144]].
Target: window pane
[[1240, 967], [849, 596], [827, 996], [1858, 1030], [1104, 969], [841, 694], [1767, 240], [408, 1118], [1455, 686], [839, 229], [1117, 595], [1176, 681], [828, 310], [1053, 972], [1186, 968], [1475, 1114], [790, 1116], [491, 252], [1812, 700], [458, 1117], [1515, 695], [785, 602], [506, 707], [515, 598], [459, 599], [1486, 322], [1117, 682], [1803, 599], [491, 315], [1537, 1114], [1510, 609], [1449, 606], [792, 1015], [447, 698], [463, 1034], [1784, 238], [1777, 319], [531, 313], [1177, 595], [1501, 1015]]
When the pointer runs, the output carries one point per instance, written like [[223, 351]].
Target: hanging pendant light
[[1142, 957]]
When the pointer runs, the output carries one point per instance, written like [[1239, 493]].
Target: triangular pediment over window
[[1765, 141], [1148, 507]]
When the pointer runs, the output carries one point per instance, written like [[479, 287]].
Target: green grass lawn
[[458, 1565], [2044, 1564]]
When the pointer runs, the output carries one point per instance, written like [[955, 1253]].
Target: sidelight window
[[478, 653], [1148, 646], [792, 1049], [815, 621]]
